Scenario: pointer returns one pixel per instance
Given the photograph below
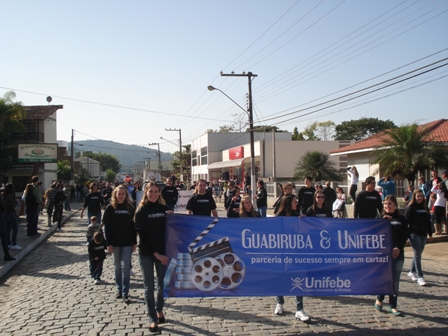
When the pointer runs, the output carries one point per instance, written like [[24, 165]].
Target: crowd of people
[[115, 219]]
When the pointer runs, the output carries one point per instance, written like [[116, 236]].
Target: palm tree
[[409, 149], [317, 165]]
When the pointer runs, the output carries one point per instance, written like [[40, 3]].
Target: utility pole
[[72, 153], [180, 149], [249, 76], [160, 167]]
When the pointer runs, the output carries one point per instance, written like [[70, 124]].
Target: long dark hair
[[414, 200], [286, 205], [315, 202]]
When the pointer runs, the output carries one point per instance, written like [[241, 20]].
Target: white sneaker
[[97, 281], [413, 276], [15, 247], [278, 309], [421, 282], [302, 316], [131, 273]]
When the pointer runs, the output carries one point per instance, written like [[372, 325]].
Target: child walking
[[97, 254], [93, 227]]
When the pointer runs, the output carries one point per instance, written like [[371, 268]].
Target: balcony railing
[[28, 136]]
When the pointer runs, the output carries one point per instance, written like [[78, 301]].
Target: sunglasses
[[320, 196]]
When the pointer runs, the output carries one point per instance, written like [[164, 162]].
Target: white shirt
[[441, 200], [353, 177]]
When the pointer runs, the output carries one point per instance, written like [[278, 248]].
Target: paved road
[[49, 292]]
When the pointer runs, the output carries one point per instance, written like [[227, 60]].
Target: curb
[[8, 266]]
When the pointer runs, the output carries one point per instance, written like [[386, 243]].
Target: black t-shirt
[[319, 212], [119, 226], [201, 205], [330, 197], [97, 250], [306, 196], [93, 202], [419, 219], [170, 195], [367, 204], [262, 197], [234, 204], [106, 193], [150, 225]]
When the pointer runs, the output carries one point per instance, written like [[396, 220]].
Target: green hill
[[128, 155]]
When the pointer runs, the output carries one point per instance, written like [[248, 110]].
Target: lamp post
[[249, 112]]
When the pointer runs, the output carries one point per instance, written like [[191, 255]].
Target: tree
[[325, 130], [362, 128], [317, 164], [266, 129], [296, 136], [406, 150], [184, 161], [110, 175], [107, 161], [11, 115], [63, 170]]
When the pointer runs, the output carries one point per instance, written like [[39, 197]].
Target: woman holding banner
[[400, 235], [319, 208], [247, 208], [288, 207], [150, 219]]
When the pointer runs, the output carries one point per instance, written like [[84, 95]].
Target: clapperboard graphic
[[208, 266]]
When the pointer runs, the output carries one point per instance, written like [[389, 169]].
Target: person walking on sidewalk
[[440, 207], [10, 216], [32, 201], [67, 198], [419, 220], [58, 202], [121, 237], [49, 202], [150, 218]]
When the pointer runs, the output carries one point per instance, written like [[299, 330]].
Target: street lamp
[[249, 112], [158, 147]]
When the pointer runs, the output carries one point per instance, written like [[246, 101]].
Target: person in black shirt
[[286, 191], [247, 208], [107, 193], [306, 195], [121, 238], [58, 202], [400, 235], [96, 248], [288, 207], [201, 203], [368, 202], [170, 194], [319, 209], [330, 196], [150, 224], [233, 209], [262, 198], [420, 228], [93, 203]]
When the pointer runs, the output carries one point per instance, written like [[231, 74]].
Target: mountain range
[[128, 155]]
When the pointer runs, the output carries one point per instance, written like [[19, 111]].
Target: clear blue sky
[[148, 63]]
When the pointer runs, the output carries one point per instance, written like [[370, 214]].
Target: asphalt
[[47, 290]]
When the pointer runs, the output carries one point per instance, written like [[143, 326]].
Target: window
[[204, 155], [20, 182], [30, 126], [194, 159]]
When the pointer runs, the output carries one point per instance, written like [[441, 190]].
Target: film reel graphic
[[207, 267]]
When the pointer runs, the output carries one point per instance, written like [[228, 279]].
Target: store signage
[[37, 153], [236, 153]]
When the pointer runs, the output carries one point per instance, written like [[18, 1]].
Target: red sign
[[236, 153]]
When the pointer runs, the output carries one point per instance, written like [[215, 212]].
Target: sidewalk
[[27, 243]]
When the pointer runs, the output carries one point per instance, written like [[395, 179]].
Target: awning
[[226, 164]]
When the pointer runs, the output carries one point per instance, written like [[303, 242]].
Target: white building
[[214, 156]]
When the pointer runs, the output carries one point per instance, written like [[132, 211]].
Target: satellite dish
[[49, 99]]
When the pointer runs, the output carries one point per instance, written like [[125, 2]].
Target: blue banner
[[277, 256]]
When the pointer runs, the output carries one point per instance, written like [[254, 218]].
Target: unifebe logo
[[324, 284]]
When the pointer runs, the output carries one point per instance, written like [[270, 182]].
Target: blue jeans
[[147, 264], [96, 269], [11, 224], [398, 267], [262, 211], [67, 204], [418, 245], [57, 215], [122, 263], [97, 214], [299, 301]]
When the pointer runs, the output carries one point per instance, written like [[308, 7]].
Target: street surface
[[50, 292]]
